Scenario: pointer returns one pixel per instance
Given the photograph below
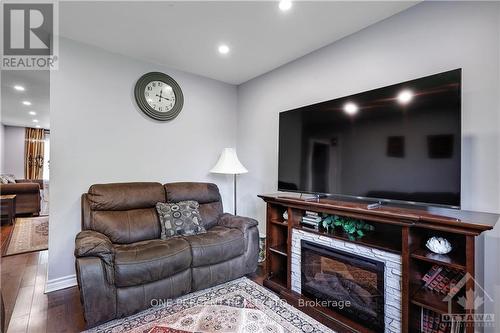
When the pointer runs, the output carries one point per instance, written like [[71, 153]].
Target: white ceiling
[[37, 85], [185, 35]]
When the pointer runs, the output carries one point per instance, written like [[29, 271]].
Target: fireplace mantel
[[399, 230]]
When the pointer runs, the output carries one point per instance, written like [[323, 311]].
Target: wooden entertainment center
[[398, 229]]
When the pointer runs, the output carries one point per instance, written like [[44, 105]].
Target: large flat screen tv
[[399, 143]]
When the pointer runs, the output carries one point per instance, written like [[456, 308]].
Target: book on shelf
[[310, 225], [440, 279], [431, 274], [432, 322], [311, 219]]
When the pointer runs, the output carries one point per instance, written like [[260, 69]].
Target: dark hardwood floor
[[29, 309]]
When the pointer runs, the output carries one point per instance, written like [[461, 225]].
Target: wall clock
[[159, 96]]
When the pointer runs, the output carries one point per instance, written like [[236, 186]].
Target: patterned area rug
[[237, 306], [29, 234]]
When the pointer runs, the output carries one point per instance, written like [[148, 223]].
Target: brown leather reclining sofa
[[27, 195], [122, 263]]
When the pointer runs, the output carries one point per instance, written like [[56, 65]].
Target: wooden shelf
[[452, 260], [434, 301], [398, 230], [279, 249], [280, 222], [371, 240]]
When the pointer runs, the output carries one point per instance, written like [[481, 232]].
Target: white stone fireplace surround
[[392, 269]]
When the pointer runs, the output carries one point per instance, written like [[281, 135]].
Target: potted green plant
[[354, 228]]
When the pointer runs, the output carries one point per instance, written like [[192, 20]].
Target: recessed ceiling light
[[19, 88], [26, 102], [405, 96], [223, 49], [37, 126], [33, 113], [351, 108], [35, 120], [285, 5]]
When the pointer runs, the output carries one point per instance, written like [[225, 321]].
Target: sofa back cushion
[[125, 212], [206, 194]]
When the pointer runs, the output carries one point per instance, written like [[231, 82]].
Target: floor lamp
[[229, 164]]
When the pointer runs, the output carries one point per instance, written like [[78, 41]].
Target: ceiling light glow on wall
[[223, 49], [351, 108], [285, 5], [26, 102], [19, 88], [405, 96], [33, 113]]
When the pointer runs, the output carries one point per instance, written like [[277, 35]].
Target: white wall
[[98, 136], [13, 151], [429, 38]]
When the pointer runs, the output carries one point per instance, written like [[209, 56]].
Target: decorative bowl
[[439, 245]]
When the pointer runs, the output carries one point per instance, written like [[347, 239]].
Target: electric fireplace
[[344, 282]]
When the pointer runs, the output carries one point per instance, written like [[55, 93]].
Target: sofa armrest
[[237, 222], [89, 243]]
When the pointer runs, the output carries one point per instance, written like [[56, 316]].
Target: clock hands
[[160, 96]]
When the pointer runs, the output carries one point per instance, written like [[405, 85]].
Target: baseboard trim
[[61, 283]]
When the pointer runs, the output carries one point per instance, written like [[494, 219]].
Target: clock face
[[159, 96]]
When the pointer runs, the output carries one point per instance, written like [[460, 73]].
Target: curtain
[[33, 149]]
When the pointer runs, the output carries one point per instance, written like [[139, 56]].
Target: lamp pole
[[234, 186]]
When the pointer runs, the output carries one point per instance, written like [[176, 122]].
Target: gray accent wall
[[98, 135], [429, 38]]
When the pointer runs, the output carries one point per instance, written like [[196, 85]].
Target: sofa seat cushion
[[218, 244], [152, 260]]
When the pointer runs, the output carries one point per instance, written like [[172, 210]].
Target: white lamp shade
[[229, 163]]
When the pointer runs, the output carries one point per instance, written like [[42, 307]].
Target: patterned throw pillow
[[5, 179], [11, 179], [181, 218]]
